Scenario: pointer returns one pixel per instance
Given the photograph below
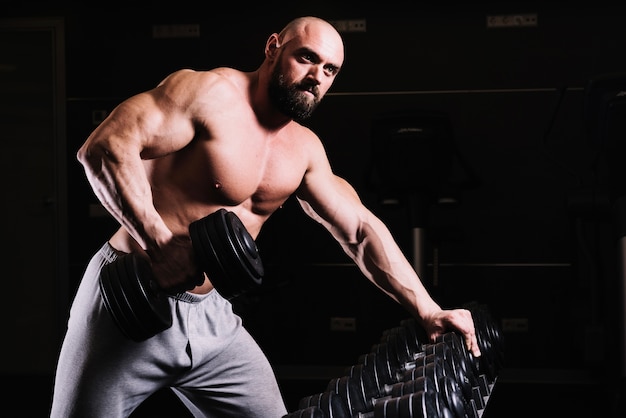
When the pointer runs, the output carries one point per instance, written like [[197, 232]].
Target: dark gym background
[[516, 207]]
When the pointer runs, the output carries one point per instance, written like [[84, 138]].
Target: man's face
[[295, 99]]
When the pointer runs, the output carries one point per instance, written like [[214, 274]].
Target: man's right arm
[[112, 160], [145, 126]]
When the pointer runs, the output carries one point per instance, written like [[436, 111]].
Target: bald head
[[300, 25], [312, 28]]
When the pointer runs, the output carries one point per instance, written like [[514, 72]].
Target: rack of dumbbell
[[404, 376]]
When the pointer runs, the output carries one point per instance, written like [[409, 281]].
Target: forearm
[[120, 183], [380, 259], [369, 243]]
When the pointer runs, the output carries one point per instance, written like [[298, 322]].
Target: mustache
[[310, 87]]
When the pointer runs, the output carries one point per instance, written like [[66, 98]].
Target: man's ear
[[271, 46]]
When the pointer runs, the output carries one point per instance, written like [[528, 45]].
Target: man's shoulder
[[215, 75], [191, 85], [307, 138]]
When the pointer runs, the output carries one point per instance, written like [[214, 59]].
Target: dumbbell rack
[[405, 377]]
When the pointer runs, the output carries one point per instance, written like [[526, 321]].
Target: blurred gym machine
[[415, 163]]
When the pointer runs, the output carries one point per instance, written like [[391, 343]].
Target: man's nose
[[316, 72]]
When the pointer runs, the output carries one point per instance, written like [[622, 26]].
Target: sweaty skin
[[202, 140]]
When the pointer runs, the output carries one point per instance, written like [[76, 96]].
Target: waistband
[[110, 254]]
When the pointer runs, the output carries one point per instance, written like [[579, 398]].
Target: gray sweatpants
[[208, 359]]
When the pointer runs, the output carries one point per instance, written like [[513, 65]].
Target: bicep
[[147, 123], [333, 202], [153, 123]]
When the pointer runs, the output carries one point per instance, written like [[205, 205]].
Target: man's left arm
[[332, 202]]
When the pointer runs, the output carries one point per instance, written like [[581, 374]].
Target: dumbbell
[[349, 391], [378, 382], [224, 250], [329, 402], [479, 383], [473, 375], [309, 412], [480, 370], [413, 332], [419, 404], [405, 338], [488, 335], [451, 350], [446, 385], [390, 362], [353, 389], [458, 368], [432, 371], [490, 340]]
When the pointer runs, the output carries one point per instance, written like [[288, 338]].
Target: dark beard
[[290, 100]]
